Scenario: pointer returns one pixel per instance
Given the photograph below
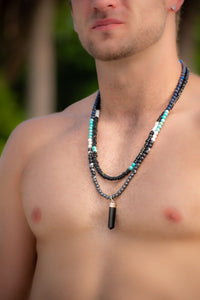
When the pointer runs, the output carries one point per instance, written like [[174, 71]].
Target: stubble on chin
[[108, 54], [108, 51], [126, 47]]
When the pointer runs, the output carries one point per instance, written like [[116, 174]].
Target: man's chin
[[109, 55]]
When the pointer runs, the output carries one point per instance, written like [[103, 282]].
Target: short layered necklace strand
[[134, 166]]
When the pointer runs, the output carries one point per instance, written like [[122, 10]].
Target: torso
[[153, 251]]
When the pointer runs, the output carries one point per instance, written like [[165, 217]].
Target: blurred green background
[[43, 68]]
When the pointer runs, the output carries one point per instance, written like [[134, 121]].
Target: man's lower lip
[[107, 27]]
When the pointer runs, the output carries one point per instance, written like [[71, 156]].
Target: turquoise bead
[[94, 148], [131, 168]]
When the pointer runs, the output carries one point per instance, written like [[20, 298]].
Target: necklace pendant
[[112, 214]]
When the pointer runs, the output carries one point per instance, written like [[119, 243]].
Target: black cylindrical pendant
[[112, 214]]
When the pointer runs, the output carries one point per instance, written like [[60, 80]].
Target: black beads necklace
[[132, 169]]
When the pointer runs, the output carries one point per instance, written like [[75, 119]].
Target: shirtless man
[[54, 240]]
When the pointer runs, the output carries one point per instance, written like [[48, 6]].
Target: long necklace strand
[[132, 169]]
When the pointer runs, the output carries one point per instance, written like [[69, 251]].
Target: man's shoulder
[[191, 106], [81, 107], [33, 134], [193, 94]]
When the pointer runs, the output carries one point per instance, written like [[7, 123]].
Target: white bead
[[97, 113], [154, 134], [155, 126]]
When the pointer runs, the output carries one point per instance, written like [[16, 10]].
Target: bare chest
[[59, 196]]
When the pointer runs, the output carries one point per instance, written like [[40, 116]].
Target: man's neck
[[133, 87]]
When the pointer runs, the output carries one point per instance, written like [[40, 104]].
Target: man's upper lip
[[104, 22]]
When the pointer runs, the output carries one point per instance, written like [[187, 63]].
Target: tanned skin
[[54, 239]]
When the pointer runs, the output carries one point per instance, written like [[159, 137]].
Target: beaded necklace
[[132, 169]]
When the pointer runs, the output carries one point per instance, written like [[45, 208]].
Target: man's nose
[[104, 4]]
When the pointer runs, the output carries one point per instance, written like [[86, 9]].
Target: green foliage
[[10, 112], [76, 72]]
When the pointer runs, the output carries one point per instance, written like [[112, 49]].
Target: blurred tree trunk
[[41, 79]]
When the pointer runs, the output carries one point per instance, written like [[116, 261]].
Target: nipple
[[173, 215], [36, 215]]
